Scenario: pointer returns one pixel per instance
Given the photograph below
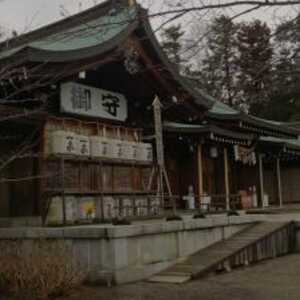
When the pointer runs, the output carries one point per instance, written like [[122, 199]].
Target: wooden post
[[159, 146], [41, 171], [163, 176], [227, 190], [62, 161], [261, 179], [200, 173], [279, 181], [100, 199]]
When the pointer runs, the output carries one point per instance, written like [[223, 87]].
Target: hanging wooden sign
[[88, 101]]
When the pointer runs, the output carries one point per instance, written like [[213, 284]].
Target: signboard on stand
[[79, 99]]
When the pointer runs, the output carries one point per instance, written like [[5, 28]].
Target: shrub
[[173, 218], [122, 221], [199, 215], [233, 213], [44, 270]]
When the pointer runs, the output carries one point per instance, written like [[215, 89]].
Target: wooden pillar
[[226, 170], [41, 171], [62, 162], [261, 179], [200, 173], [100, 187], [278, 171]]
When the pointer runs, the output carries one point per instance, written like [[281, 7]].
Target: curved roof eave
[[96, 36], [249, 119], [283, 143], [40, 33], [38, 55], [275, 126], [193, 129]]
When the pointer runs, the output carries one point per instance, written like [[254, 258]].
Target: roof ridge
[[68, 22]]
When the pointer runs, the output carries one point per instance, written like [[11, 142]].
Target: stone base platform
[[130, 253]]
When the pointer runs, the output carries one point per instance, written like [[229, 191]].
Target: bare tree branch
[[258, 4]]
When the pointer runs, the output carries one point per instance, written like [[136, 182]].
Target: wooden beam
[[53, 74], [261, 179], [226, 170], [200, 173], [278, 172]]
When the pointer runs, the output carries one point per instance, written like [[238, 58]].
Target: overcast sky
[[24, 15]]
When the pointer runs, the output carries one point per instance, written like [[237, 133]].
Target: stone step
[[177, 279]]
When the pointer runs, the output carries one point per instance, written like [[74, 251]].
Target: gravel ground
[[271, 280]]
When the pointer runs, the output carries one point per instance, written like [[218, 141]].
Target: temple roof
[[210, 132], [222, 112], [106, 27], [220, 108], [285, 149], [286, 144], [77, 37], [99, 30]]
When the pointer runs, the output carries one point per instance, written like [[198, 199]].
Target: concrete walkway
[[271, 280]]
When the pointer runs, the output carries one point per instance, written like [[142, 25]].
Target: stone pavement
[[270, 280]]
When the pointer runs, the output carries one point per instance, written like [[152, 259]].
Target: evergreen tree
[[254, 64], [286, 91], [218, 71], [243, 68], [173, 45]]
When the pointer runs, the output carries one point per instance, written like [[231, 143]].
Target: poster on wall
[[87, 208], [79, 99]]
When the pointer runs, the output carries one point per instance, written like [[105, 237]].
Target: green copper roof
[[289, 143], [272, 122], [223, 112], [7, 53], [94, 33], [272, 139], [85, 35], [222, 108], [183, 126], [204, 129], [89, 34]]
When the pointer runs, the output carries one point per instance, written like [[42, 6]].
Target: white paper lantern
[[100, 147], [213, 152], [64, 142], [83, 144]]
